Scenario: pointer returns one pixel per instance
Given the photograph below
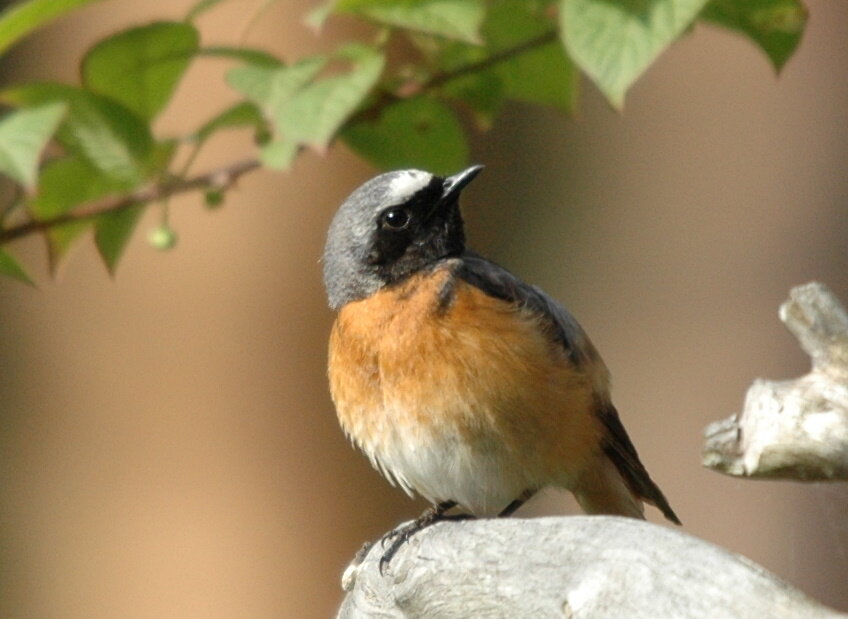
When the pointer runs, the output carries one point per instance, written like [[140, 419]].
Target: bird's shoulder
[[499, 283]]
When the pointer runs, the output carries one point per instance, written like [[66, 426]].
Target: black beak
[[456, 183]]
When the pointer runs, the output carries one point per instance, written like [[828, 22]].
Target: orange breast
[[479, 373]]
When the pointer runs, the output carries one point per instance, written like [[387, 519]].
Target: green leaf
[[775, 25], [200, 8], [304, 111], [64, 184], [614, 41], [527, 61], [20, 19], [483, 93], [109, 135], [242, 114], [313, 116], [23, 135], [141, 67], [271, 87], [12, 268], [60, 240], [278, 154], [543, 74], [242, 54], [416, 133], [112, 232], [453, 19], [160, 158]]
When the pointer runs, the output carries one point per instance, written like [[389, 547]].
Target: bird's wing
[[496, 281]]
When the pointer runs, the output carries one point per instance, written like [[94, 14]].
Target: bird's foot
[[399, 536]]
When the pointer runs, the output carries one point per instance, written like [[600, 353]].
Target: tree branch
[[220, 179], [225, 177], [440, 79], [578, 566], [795, 429]]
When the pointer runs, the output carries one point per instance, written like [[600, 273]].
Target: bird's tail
[[617, 482], [601, 490]]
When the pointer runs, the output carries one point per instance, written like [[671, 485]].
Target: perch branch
[[795, 429], [579, 566]]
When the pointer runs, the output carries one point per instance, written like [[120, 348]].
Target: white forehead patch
[[407, 183]]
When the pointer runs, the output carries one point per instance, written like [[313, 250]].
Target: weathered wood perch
[[795, 429], [577, 566]]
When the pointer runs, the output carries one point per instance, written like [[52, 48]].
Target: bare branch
[[219, 179], [794, 429]]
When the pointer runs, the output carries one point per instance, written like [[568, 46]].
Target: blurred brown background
[[168, 447]]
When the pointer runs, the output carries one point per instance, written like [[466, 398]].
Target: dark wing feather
[[620, 449], [496, 281]]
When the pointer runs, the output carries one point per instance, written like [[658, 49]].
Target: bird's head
[[391, 227]]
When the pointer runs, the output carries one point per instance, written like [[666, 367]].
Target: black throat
[[438, 236]]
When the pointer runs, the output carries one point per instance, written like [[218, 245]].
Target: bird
[[459, 381]]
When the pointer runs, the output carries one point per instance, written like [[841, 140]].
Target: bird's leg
[[522, 498], [400, 535]]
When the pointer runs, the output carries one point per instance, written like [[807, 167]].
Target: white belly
[[440, 466]]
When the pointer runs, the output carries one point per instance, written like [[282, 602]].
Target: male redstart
[[459, 381]]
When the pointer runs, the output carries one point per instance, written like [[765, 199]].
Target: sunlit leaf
[[416, 133], [142, 66], [18, 20], [242, 114], [10, 267], [453, 19], [271, 87], [313, 116], [110, 136], [303, 110], [615, 41], [23, 135], [775, 25]]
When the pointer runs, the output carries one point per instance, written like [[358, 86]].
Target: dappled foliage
[[106, 163]]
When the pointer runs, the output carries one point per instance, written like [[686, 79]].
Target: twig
[[221, 178], [438, 80]]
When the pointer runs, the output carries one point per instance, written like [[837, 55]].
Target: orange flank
[[463, 383]]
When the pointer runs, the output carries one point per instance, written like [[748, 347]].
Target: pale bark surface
[[794, 429], [577, 566]]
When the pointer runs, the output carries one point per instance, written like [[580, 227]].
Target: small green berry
[[162, 238], [214, 199]]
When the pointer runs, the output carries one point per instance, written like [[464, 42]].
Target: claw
[[399, 536]]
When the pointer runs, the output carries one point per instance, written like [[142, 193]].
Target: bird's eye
[[396, 219]]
